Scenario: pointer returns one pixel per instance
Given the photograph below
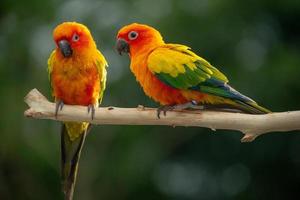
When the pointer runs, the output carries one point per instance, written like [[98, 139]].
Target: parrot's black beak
[[122, 46], [65, 48]]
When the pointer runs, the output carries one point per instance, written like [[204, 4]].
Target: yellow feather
[[76, 129], [169, 59]]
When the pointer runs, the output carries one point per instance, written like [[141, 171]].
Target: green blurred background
[[255, 43]]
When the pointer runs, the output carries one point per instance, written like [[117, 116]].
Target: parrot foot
[[91, 109], [178, 107], [164, 109], [58, 106]]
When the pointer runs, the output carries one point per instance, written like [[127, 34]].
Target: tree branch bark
[[251, 125]]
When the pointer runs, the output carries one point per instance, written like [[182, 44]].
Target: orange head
[[135, 38], [72, 38]]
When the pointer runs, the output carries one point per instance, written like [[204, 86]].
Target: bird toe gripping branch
[[250, 125]]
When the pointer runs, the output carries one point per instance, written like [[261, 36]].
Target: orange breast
[[75, 83]]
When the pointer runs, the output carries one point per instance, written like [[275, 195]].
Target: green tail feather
[[70, 155], [250, 107], [239, 101]]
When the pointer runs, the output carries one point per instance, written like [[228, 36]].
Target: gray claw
[[164, 109], [58, 106], [179, 107], [91, 109]]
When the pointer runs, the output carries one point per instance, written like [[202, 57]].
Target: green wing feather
[[177, 66], [101, 66], [50, 68]]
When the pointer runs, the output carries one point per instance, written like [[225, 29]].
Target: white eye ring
[[132, 35], [75, 37]]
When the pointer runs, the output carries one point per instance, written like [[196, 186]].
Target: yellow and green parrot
[[175, 76], [77, 72]]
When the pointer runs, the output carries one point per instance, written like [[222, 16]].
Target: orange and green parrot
[[176, 77], [77, 72]]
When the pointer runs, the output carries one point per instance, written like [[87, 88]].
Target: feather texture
[[76, 80], [173, 74]]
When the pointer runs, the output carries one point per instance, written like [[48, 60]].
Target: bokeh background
[[256, 43]]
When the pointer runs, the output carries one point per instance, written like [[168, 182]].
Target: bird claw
[[179, 107], [164, 109], [91, 109], [58, 106]]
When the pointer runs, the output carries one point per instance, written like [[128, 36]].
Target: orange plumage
[[152, 86], [172, 74], [77, 74], [76, 81]]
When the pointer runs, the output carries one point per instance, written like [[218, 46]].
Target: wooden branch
[[251, 125]]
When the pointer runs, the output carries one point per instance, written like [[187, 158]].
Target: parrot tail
[[245, 103], [236, 99], [250, 107], [70, 155]]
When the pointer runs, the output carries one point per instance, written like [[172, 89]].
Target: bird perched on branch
[[175, 76], [78, 76]]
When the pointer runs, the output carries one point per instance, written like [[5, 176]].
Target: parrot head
[[72, 38], [135, 37]]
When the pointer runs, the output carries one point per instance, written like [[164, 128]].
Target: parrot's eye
[[75, 38], [133, 35]]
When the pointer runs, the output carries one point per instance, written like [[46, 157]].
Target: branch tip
[[249, 137]]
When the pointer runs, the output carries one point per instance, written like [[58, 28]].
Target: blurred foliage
[[256, 43]]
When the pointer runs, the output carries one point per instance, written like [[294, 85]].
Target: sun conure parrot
[[78, 76], [175, 76]]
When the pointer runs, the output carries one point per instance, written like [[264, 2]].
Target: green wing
[[50, 68], [101, 66], [177, 66]]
